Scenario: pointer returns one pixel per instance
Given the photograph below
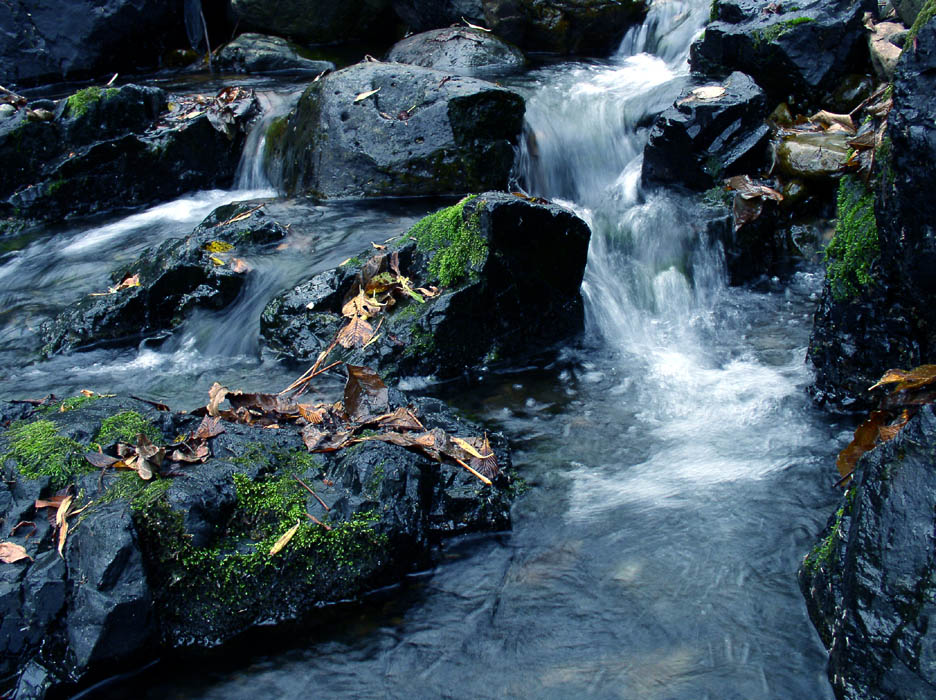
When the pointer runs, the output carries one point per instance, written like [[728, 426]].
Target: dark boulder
[[258, 53], [509, 271], [314, 21], [388, 129], [195, 555], [567, 27], [877, 312], [201, 270], [422, 15], [800, 51], [711, 132], [116, 147], [458, 50], [50, 40], [869, 583]]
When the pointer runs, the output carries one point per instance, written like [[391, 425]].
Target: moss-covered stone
[[125, 426], [81, 101], [855, 245], [39, 450], [927, 12], [453, 241]]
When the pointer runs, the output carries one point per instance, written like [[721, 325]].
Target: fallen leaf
[[63, 533], [101, 460], [470, 449], [356, 333], [11, 552], [284, 540], [831, 119], [475, 26], [62, 513], [708, 92], [216, 394], [364, 95], [378, 246], [365, 394], [240, 266], [916, 378]]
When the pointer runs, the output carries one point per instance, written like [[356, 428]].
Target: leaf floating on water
[[284, 540], [11, 552], [364, 95]]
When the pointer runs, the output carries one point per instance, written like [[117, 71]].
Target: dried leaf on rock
[[486, 464], [475, 26], [706, 92], [62, 534], [62, 512], [364, 95], [864, 440], [208, 428], [101, 460], [216, 395], [921, 376], [317, 439], [53, 502], [401, 419], [11, 552], [746, 210], [831, 119], [365, 394], [356, 333], [748, 189]]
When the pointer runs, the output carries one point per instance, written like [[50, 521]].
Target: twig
[[238, 216], [18, 525], [477, 474], [207, 40], [843, 479], [873, 96], [306, 487], [317, 521]]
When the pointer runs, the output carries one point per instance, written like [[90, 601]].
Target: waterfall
[[251, 173]]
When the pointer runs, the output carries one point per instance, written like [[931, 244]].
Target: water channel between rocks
[[677, 471]]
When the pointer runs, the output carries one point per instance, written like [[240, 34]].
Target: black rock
[[388, 129], [869, 583], [702, 139], [200, 270], [258, 53], [798, 50], [315, 21], [458, 50], [517, 263], [422, 15]]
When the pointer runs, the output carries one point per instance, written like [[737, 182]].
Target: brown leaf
[[201, 453], [240, 266], [100, 460], [745, 210], [53, 502], [62, 513], [864, 440], [313, 414], [361, 306], [216, 395], [401, 419], [62, 534], [831, 119], [356, 333], [916, 378], [284, 540], [11, 552], [318, 440], [208, 428], [365, 394], [487, 464], [747, 188]]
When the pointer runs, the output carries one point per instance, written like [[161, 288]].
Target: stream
[[677, 471]]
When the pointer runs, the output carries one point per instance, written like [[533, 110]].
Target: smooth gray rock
[[259, 53], [458, 50]]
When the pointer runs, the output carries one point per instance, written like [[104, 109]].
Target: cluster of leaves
[[909, 390], [59, 509], [749, 198], [224, 110]]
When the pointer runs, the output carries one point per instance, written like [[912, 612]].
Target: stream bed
[[677, 471]]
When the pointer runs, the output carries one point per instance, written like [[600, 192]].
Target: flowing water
[[677, 472]]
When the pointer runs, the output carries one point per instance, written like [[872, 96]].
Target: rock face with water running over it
[[388, 129], [50, 40], [154, 294], [258, 53], [458, 50], [798, 50], [509, 272], [712, 131], [314, 21], [865, 329], [869, 583], [185, 558], [104, 148]]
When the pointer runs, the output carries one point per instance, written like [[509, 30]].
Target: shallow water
[[677, 472]]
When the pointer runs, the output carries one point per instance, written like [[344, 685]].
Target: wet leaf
[[708, 92], [401, 419], [475, 26], [199, 454], [216, 395], [864, 440], [361, 306], [318, 439], [53, 502], [467, 447], [747, 188], [208, 428], [745, 210], [364, 95], [101, 460], [62, 513], [365, 394], [62, 534], [356, 333], [921, 376], [11, 552], [831, 119], [488, 465]]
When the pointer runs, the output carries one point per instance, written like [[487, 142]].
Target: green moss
[[125, 426], [72, 403], [372, 488], [54, 186], [422, 343], [823, 551], [713, 11], [927, 12], [455, 244], [775, 31], [217, 247], [81, 101], [718, 196], [855, 245], [141, 494], [38, 450]]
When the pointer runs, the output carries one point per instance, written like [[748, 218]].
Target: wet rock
[[115, 147], [908, 10], [885, 45], [869, 584], [203, 269], [884, 316], [50, 40], [509, 271], [574, 26], [315, 21], [422, 15], [387, 129], [258, 53], [812, 155], [711, 132], [792, 50], [458, 50]]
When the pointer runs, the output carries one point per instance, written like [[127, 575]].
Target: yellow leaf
[[284, 540], [62, 511], [216, 394], [216, 260], [356, 333], [63, 533], [364, 95], [11, 552], [378, 246], [469, 449]]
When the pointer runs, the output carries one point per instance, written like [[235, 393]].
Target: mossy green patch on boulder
[[453, 241], [856, 245], [38, 450], [125, 426]]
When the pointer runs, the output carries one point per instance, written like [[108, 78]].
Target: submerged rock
[[509, 272], [388, 129], [869, 583], [196, 554], [711, 132], [315, 21], [801, 50], [258, 53], [155, 293], [115, 147], [458, 50]]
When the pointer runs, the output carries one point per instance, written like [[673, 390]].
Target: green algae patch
[[125, 426], [79, 103], [855, 245], [927, 12], [453, 241], [39, 450]]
